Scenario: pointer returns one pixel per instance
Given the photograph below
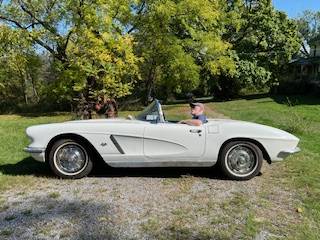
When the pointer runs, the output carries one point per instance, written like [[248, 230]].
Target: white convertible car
[[71, 148]]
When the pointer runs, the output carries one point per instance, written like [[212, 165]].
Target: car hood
[[250, 128]]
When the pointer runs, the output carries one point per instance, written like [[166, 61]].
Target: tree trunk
[[34, 90], [86, 102], [24, 86], [150, 85]]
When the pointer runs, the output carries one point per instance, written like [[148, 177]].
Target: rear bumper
[[37, 153], [286, 153]]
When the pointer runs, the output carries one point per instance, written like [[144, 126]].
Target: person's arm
[[192, 122]]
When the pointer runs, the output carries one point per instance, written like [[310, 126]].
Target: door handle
[[195, 130]]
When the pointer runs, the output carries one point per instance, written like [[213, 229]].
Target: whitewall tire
[[241, 160], [70, 159]]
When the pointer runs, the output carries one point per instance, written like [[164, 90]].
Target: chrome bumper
[[37, 153], [33, 150], [286, 153]]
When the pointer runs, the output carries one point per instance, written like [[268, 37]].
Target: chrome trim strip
[[33, 150], [152, 164], [116, 144], [286, 153]]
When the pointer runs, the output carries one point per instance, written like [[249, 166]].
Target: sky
[[294, 8]]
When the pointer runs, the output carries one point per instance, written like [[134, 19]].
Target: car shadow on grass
[[28, 166]]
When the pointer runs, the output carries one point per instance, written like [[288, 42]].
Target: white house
[[307, 68], [315, 49]]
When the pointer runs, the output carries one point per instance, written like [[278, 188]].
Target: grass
[[54, 195], [298, 115], [16, 166]]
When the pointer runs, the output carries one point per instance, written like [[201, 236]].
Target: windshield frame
[[154, 106]]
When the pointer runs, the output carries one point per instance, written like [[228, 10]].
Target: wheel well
[[259, 145], [76, 138]]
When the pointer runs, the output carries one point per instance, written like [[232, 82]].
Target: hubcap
[[241, 160], [70, 158]]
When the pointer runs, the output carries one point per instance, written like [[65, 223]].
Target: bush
[[42, 107], [297, 87]]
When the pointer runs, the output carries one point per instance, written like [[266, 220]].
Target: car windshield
[[152, 113]]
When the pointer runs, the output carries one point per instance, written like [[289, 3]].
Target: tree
[[86, 39], [178, 40], [19, 68], [264, 41], [309, 29], [104, 47]]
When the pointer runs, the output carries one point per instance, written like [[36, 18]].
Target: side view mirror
[[151, 117]]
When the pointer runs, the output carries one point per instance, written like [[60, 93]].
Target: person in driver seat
[[198, 116]]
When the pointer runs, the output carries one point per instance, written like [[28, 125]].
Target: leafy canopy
[[152, 47], [85, 38], [179, 39]]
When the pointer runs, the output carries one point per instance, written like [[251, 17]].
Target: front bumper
[[286, 153], [37, 153]]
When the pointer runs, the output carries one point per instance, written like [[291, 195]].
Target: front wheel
[[69, 159], [241, 160]]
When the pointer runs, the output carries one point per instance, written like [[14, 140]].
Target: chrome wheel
[[70, 158], [241, 160]]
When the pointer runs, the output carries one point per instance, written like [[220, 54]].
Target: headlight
[[29, 136]]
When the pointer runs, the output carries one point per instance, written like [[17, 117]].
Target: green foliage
[[178, 40], [264, 40], [101, 51], [86, 39], [250, 74], [164, 48], [19, 69]]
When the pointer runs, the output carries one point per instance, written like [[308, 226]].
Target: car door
[[166, 141]]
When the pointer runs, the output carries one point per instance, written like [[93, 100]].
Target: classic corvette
[[149, 140]]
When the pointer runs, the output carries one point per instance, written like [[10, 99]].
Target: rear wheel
[[70, 159], [241, 160]]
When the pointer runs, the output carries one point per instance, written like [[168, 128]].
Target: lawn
[[298, 115], [16, 166]]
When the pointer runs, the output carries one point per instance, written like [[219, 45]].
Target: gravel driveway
[[150, 204]]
